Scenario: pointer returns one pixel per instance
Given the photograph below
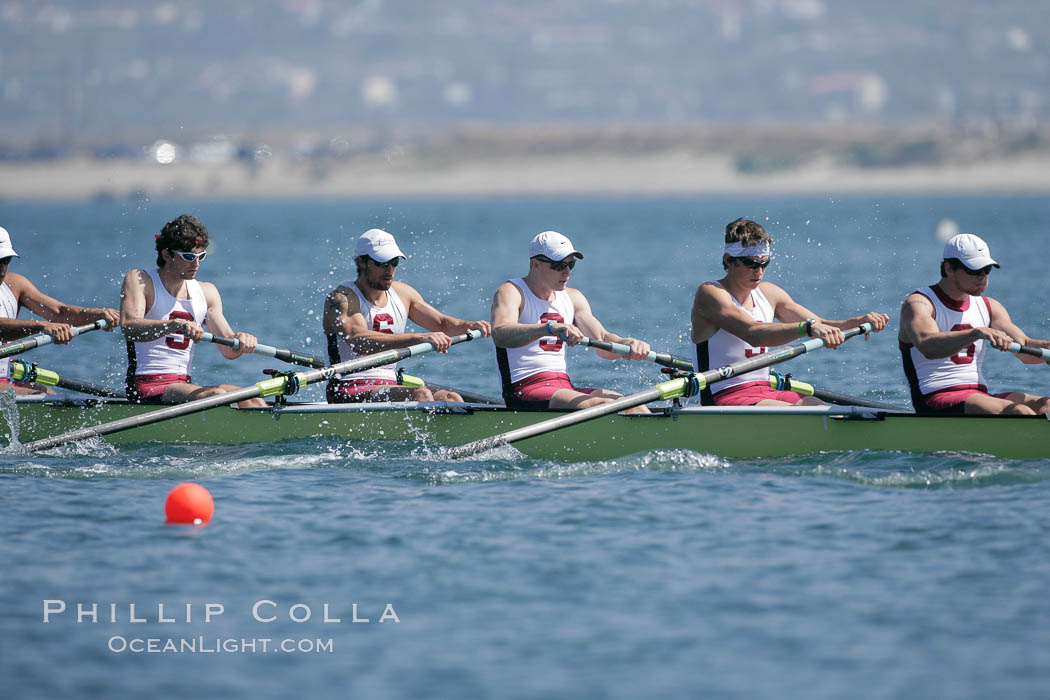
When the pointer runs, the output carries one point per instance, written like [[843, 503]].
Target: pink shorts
[[542, 386], [149, 388], [751, 393], [950, 400], [353, 390]]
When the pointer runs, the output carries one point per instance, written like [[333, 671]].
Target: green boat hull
[[726, 432]]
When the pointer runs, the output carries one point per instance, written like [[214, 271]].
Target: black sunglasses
[[752, 264], [567, 264], [392, 262], [986, 270]]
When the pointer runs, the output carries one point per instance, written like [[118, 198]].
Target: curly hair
[[181, 234]]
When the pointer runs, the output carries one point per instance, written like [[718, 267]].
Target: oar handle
[[659, 358], [283, 354], [42, 339], [1019, 349]]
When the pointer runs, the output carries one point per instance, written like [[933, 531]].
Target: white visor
[[758, 250]]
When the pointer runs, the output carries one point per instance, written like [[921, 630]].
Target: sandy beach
[[677, 173]]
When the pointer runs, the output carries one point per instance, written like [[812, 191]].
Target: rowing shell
[[724, 431]]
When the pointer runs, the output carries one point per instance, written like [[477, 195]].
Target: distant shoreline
[[664, 173]]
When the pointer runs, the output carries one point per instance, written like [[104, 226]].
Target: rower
[[534, 317], [163, 311], [17, 292], [945, 331], [737, 317], [370, 315]]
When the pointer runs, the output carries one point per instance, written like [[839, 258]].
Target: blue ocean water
[[666, 573]]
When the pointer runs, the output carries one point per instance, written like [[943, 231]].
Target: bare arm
[[343, 317], [919, 328], [219, 326], [507, 305], [713, 309], [788, 310], [423, 314], [1000, 320], [136, 295], [59, 316], [590, 326]]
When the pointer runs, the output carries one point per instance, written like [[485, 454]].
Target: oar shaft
[[1019, 349], [42, 339], [659, 358], [285, 355], [667, 390], [269, 387]]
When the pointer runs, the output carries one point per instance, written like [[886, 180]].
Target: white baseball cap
[[378, 245], [553, 246], [6, 251], [970, 250]]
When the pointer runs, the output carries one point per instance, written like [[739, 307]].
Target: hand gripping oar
[[1019, 349], [41, 339], [685, 386], [296, 358], [281, 385], [782, 382], [657, 357], [25, 372]]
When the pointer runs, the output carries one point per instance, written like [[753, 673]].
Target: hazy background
[[317, 96]]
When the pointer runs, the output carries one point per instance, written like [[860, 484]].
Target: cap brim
[[979, 263]]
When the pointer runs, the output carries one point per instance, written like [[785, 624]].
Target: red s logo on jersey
[[967, 354], [545, 342], [383, 323], [178, 342]]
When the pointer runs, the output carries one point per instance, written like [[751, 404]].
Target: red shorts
[[353, 390], [149, 388], [751, 393], [951, 400], [543, 385], [6, 382]]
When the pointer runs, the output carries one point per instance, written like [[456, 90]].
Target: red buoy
[[189, 504]]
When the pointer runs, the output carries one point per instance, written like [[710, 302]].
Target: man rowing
[[163, 312], [16, 293], [535, 317], [945, 330], [371, 314], [742, 315]]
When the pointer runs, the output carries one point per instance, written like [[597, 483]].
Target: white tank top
[[724, 348], [546, 354], [8, 309], [392, 318], [171, 354], [963, 369]]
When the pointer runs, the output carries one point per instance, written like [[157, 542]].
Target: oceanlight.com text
[[218, 645]]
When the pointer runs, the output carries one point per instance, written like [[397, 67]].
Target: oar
[[684, 386], [284, 384], [297, 358], [41, 339], [469, 396], [787, 383], [23, 371], [658, 357], [1019, 349]]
